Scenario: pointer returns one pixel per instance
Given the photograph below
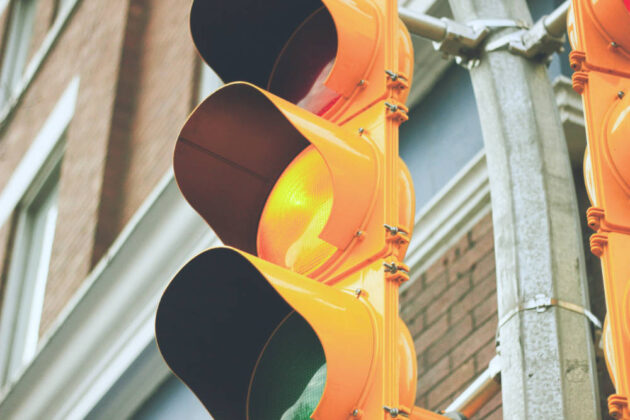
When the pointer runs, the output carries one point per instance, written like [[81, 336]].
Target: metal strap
[[540, 304]]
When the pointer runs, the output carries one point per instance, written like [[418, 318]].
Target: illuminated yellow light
[[295, 214]]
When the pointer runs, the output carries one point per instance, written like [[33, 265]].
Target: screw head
[[614, 44], [621, 94]]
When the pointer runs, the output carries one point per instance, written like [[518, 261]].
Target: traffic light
[[599, 32], [298, 317]]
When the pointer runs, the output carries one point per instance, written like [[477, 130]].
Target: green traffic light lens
[[289, 378]]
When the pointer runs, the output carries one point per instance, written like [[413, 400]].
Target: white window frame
[[15, 54], [25, 291], [23, 187], [35, 63]]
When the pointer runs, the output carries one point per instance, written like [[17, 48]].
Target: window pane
[[442, 135], [45, 218], [29, 266], [18, 42]]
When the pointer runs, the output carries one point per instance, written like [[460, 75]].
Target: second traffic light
[[599, 32]]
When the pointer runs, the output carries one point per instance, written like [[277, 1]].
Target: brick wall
[[451, 311], [154, 96], [142, 123]]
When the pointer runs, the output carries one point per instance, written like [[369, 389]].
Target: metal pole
[[548, 369], [556, 22], [423, 25]]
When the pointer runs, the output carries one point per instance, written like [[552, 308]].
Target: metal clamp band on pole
[[540, 303]]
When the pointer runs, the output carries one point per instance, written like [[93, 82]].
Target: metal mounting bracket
[[463, 40], [535, 43], [539, 42]]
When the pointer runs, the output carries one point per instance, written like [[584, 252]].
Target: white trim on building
[[39, 152], [32, 192], [33, 66]]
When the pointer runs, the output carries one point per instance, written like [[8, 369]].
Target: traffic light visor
[[303, 66], [237, 175], [315, 54], [250, 338], [241, 39]]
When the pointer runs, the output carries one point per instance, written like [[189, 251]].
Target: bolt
[[614, 44], [361, 130], [392, 411], [392, 75], [357, 413], [392, 229], [391, 107], [358, 293], [359, 233], [621, 94], [361, 82]]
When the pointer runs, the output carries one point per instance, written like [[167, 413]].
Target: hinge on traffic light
[[579, 77], [598, 241], [397, 112], [397, 80], [397, 272], [594, 217], [576, 59], [595, 220], [616, 405], [396, 235], [395, 412]]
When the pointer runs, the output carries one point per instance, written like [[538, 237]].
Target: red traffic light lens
[[304, 64]]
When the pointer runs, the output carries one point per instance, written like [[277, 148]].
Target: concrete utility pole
[[546, 346]]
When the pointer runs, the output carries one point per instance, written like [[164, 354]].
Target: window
[[16, 47], [36, 217], [30, 200], [442, 135]]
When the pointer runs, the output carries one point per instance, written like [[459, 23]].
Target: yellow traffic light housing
[[599, 32], [299, 319]]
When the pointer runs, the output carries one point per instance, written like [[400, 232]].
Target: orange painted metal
[[202, 292], [306, 181], [226, 163], [600, 37]]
